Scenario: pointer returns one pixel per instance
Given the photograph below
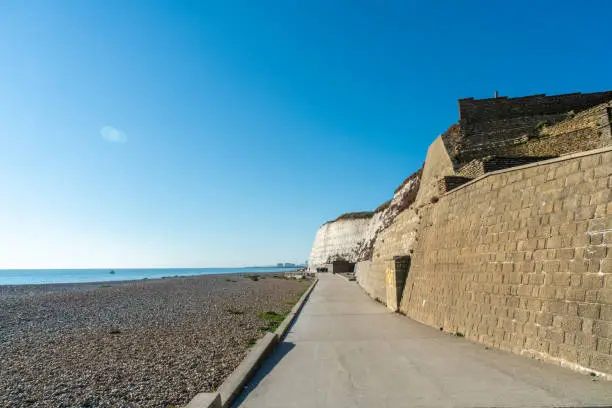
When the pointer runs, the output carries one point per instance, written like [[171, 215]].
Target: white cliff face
[[383, 219], [353, 239], [339, 240]]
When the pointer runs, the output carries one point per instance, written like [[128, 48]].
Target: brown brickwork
[[448, 183], [478, 167], [489, 126], [521, 260]]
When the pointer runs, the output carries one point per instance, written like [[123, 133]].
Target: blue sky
[[202, 134]]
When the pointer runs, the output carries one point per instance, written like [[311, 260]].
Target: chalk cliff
[[351, 237]]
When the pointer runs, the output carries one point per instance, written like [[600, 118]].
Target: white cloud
[[111, 134]]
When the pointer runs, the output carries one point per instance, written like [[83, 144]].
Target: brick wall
[[473, 169], [522, 260], [471, 109], [487, 126], [478, 167], [448, 183]]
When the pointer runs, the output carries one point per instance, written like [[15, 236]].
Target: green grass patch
[[251, 342], [230, 280], [272, 319], [254, 278]]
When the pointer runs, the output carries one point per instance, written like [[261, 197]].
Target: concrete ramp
[[346, 350]]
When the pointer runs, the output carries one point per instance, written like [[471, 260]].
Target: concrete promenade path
[[346, 350]]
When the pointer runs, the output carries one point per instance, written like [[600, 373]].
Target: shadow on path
[[280, 351]]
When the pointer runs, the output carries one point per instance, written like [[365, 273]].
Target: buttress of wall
[[521, 259], [339, 239], [437, 164], [400, 236], [396, 240]]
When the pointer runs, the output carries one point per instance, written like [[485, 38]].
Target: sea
[[46, 276]]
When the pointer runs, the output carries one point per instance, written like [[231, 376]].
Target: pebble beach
[[148, 343]]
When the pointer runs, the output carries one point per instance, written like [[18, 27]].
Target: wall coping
[[526, 166]]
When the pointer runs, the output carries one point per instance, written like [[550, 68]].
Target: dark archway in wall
[[402, 270], [343, 267]]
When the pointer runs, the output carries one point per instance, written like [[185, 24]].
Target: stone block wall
[[478, 167], [487, 126], [473, 169], [474, 110], [370, 275], [587, 130], [521, 260], [480, 139], [448, 183]]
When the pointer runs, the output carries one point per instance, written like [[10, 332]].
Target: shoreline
[[144, 343], [36, 288], [14, 277]]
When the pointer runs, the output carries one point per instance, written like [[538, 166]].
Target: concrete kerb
[[205, 400], [233, 385], [295, 310]]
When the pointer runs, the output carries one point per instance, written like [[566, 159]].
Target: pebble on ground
[[149, 343]]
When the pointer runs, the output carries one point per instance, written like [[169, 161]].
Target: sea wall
[[518, 258], [521, 259]]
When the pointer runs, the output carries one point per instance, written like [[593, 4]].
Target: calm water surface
[[41, 276]]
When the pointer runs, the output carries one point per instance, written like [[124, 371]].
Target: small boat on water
[[112, 272]]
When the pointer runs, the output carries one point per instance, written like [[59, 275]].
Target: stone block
[[594, 252], [597, 224], [555, 336], [586, 341], [596, 238], [606, 313], [565, 253], [584, 213], [547, 292], [568, 352], [587, 326], [589, 310], [576, 280], [571, 324], [593, 281], [602, 328], [544, 319], [603, 345], [591, 296], [579, 266], [602, 362], [575, 294], [606, 267], [561, 279], [604, 296]]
